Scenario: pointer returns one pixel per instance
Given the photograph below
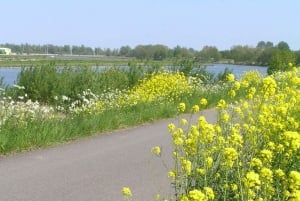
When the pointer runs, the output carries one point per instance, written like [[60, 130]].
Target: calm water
[[10, 74], [237, 70]]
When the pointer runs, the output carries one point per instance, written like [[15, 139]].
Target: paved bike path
[[93, 169]]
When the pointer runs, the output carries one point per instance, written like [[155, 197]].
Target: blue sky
[[115, 23]]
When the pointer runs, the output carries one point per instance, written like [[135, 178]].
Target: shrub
[[250, 153], [43, 83]]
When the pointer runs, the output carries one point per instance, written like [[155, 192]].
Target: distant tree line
[[262, 54]]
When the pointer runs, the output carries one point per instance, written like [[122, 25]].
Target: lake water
[[237, 70], [10, 74]]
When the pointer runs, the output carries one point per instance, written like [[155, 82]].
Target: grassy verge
[[27, 124], [43, 133]]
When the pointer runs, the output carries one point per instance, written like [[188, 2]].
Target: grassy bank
[[43, 133], [69, 60], [50, 132], [28, 124]]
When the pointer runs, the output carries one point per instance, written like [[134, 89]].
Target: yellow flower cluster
[[197, 195], [252, 152], [161, 86], [156, 150], [230, 77], [127, 194], [157, 88]]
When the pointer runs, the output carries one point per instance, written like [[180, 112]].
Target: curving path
[[93, 169]]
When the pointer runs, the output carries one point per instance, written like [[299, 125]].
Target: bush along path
[[251, 153]]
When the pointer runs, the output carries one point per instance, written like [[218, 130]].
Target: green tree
[[243, 54], [297, 57], [264, 45], [269, 44], [125, 51], [179, 52], [160, 52], [209, 54], [283, 46], [264, 57], [108, 52], [280, 61], [140, 52], [261, 45]]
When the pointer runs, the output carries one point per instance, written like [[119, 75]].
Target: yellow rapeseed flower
[[256, 163], [183, 122], [172, 174], [203, 101], [292, 140], [230, 155], [126, 192], [236, 138], [184, 198], [221, 104], [209, 162], [266, 155], [171, 127], [218, 129], [294, 195], [232, 93], [244, 84], [280, 173], [269, 85], [236, 85], [271, 145], [178, 141], [209, 193], [187, 166], [181, 107], [195, 108], [201, 171], [234, 187], [156, 150], [244, 106], [251, 179], [230, 77], [225, 117], [266, 175], [196, 195], [294, 180]]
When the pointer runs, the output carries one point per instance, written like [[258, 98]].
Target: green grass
[[39, 85], [39, 60], [56, 131], [45, 133]]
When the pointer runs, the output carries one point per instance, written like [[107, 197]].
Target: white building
[[6, 50]]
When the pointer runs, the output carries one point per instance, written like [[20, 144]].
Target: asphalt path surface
[[95, 168]]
